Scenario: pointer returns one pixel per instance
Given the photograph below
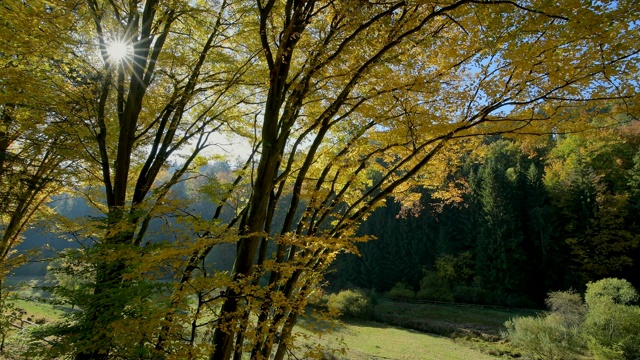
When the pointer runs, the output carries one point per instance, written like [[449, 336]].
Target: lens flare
[[119, 51]]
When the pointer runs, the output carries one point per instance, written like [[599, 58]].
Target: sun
[[119, 51]]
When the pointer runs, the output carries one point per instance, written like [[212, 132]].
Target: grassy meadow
[[375, 340], [419, 331], [400, 330]]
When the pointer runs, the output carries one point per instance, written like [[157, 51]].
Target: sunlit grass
[[38, 310], [372, 340], [407, 338]]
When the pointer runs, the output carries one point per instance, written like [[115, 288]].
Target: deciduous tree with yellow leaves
[[35, 146]]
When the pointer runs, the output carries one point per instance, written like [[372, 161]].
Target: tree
[[324, 64], [634, 184], [35, 145], [148, 79], [69, 275], [500, 250], [591, 196]]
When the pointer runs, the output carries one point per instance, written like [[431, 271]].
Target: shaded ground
[[448, 320]]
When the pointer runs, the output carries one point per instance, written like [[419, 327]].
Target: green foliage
[[455, 269], [608, 326], [401, 290], [352, 304], [545, 337], [409, 238], [568, 306], [590, 180], [613, 323], [6, 308], [450, 272], [610, 291], [373, 296], [70, 276], [435, 287], [634, 183], [555, 335], [499, 248], [145, 301], [470, 295]]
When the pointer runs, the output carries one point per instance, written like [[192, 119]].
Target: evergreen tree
[[499, 253]]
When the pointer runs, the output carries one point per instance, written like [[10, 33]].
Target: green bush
[[352, 304], [318, 298], [608, 326], [545, 337], [401, 290], [569, 306], [434, 287], [556, 335], [612, 323]]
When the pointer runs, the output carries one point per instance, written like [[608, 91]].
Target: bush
[[434, 287], [612, 323], [553, 336], [545, 337], [569, 306], [352, 304], [401, 290], [609, 324], [318, 298]]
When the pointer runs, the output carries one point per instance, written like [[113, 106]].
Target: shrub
[[401, 290], [455, 270], [434, 287], [352, 304], [318, 298], [612, 324], [569, 306], [556, 335], [545, 337]]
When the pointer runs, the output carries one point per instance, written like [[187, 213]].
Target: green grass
[[447, 319], [401, 333], [38, 310], [373, 340], [422, 331], [24, 292]]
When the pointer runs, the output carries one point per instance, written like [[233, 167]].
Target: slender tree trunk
[[247, 247]]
